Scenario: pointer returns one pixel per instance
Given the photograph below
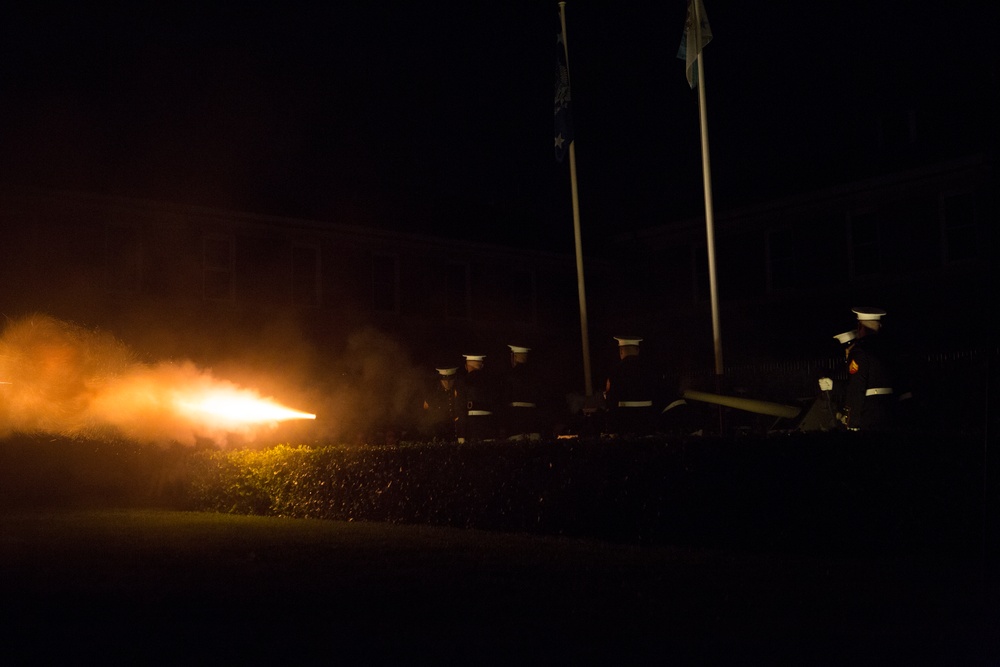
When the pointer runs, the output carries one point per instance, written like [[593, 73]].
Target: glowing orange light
[[238, 406]]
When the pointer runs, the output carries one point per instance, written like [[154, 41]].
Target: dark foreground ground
[[169, 587]]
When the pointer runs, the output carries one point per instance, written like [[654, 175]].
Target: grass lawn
[[169, 587]]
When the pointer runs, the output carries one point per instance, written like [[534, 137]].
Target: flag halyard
[[563, 118]]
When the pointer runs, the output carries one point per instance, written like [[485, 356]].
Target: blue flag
[[690, 46], [564, 122]]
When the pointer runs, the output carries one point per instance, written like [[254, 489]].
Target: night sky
[[435, 117]]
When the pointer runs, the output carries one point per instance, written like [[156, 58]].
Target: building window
[[782, 269], [218, 267], [305, 275], [457, 290], [385, 283], [914, 225], [864, 243], [960, 236], [741, 270], [123, 260], [522, 295]]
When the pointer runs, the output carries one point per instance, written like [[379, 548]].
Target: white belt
[[479, 413], [635, 404], [521, 404], [878, 391]]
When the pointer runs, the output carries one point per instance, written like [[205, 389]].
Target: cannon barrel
[[748, 404]]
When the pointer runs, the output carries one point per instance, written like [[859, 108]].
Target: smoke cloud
[[375, 391], [66, 379]]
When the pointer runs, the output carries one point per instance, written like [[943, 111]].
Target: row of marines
[[473, 403]]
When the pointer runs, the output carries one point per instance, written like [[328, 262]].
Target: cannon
[[741, 403], [818, 414]]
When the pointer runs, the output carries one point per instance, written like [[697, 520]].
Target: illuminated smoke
[[373, 389], [65, 379]]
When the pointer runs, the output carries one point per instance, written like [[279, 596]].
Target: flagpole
[[581, 288], [706, 173]]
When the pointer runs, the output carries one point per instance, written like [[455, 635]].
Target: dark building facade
[[919, 243], [206, 284]]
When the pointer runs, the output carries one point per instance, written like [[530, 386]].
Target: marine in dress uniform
[[478, 401], [630, 391], [441, 407], [823, 413], [521, 398], [869, 403]]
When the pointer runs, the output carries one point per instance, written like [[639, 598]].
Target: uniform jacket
[[478, 391], [869, 366], [521, 386], [442, 404], [631, 380]]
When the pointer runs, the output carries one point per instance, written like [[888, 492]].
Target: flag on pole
[[690, 46], [563, 120]]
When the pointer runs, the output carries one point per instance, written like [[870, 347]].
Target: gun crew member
[[477, 395], [522, 397], [629, 391], [869, 401], [441, 407]]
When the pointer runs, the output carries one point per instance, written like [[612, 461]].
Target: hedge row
[[809, 491], [819, 491]]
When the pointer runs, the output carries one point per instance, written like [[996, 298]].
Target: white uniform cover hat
[[868, 316], [865, 313], [627, 340], [846, 337]]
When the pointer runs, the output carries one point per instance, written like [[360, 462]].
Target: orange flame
[[237, 407]]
